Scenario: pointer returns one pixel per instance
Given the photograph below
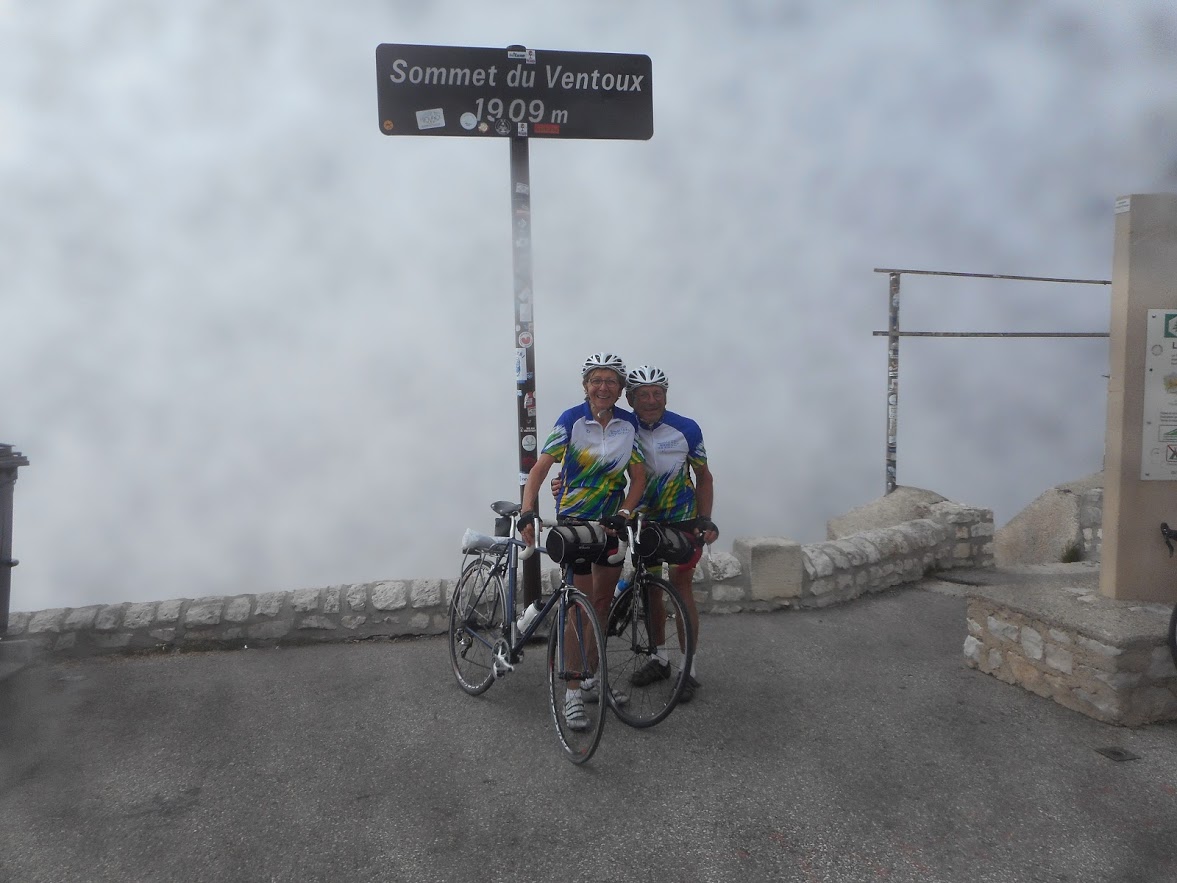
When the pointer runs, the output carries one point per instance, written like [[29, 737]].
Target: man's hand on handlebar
[[707, 530], [527, 522], [615, 523]]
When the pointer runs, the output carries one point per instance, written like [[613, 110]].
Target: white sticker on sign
[[431, 119]]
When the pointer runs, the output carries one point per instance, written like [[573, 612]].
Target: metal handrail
[[993, 334], [994, 276], [893, 333]]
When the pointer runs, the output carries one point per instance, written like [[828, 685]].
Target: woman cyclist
[[597, 443]]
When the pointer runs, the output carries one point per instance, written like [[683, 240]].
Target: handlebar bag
[[658, 542], [576, 543]]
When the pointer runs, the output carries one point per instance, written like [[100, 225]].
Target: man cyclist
[[673, 446]]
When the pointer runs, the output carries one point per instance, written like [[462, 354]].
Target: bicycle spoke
[[649, 650], [477, 621]]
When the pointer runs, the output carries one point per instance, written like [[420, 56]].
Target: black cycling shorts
[[690, 529]]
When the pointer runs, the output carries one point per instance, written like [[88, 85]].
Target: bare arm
[[637, 486], [535, 479]]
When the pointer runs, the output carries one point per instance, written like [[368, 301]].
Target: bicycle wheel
[[649, 647], [477, 617], [1173, 635], [579, 733]]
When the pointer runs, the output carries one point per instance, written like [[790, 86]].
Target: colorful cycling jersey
[[672, 447], [595, 458]]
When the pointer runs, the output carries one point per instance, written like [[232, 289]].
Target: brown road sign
[[531, 93]]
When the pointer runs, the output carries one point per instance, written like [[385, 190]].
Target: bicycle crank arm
[[502, 665]]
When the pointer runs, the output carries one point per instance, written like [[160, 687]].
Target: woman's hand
[[527, 522]]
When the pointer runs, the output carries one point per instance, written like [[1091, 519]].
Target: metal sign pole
[[524, 335], [892, 381], [10, 461]]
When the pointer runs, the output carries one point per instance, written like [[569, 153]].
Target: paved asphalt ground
[[850, 744]]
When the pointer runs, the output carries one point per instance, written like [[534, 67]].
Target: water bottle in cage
[[529, 615], [619, 611]]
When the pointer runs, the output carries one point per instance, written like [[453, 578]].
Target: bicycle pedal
[[502, 667]]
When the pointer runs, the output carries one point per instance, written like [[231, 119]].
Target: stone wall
[[1104, 658], [953, 536], [764, 574], [355, 612]]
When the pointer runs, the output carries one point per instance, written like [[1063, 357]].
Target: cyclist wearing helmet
[[673, 447], [597, 443]]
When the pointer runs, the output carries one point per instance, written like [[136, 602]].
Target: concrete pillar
[[775, 567], [1140, 483]]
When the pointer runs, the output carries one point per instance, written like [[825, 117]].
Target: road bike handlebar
[[623, 543], [633, 528], [473, 541]]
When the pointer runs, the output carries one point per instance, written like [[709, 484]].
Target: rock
[[902, 504], [1048, 531]]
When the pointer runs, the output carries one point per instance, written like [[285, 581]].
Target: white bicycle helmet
[[646, 375], [603, 360]]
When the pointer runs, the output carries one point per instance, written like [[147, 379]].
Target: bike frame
[[508, 560], [642, 576]]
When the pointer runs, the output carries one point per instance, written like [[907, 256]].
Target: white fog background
[[250, 343]]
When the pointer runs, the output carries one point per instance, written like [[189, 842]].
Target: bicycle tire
[[1173, 635], [582, 638], [632, 642], [477, 622]]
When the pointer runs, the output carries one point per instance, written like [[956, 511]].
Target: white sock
[[660, 655], [571, 694]]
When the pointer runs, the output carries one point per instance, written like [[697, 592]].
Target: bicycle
[[641, 619], [1169, 534], [486, 642]]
